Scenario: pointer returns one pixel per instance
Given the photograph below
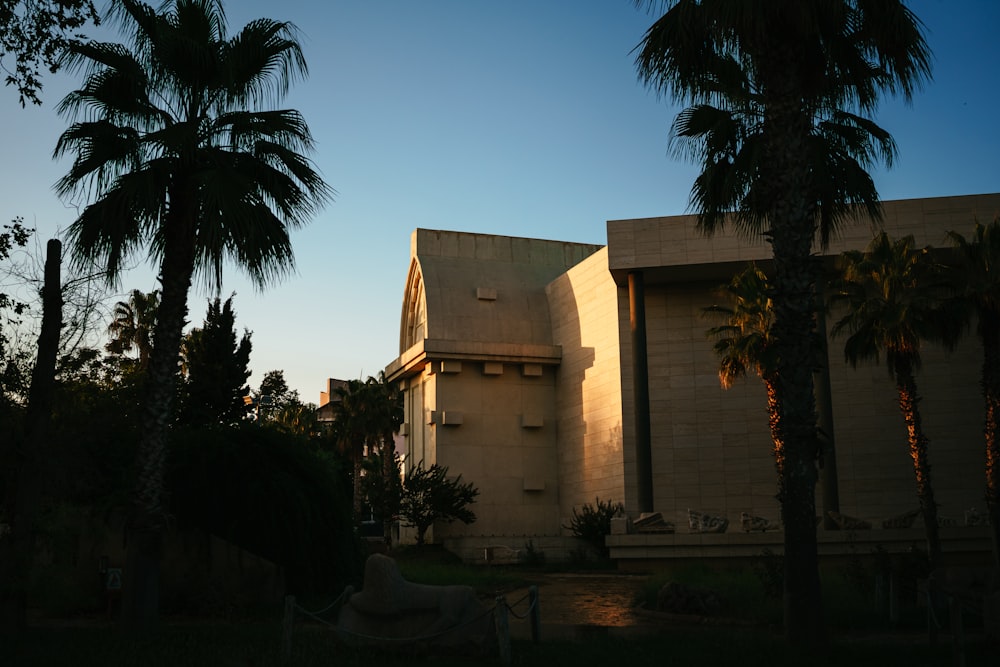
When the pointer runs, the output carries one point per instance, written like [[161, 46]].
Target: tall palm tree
[[366, 415], [350, 430], [779, 93], [175, 138], [895, 298], [132, 325], [978, 282], [745, 343]]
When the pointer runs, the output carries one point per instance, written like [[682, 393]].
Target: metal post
[[893, 599], [502, 629], [288, 624], [957, 630], [536, 618]]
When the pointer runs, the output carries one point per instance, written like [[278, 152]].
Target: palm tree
[[779, 92], [132, 325], [174, 137], [744, 343], [978, 282], [894, 293], [365, 417], [350, 430]]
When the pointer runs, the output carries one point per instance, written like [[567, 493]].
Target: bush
[[429, 496], [272, 494], [770, 570], [593, 522]]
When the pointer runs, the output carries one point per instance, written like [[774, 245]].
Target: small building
[[518, 364]]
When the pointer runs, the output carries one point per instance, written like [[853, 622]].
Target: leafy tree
[[895, 299], [275, 386], [365, 417], [175, 139], [977, 280], [216, 370], [277, 406], [429, 496], [35, 32], [780, 90], [13, 379], [132, 325], [382, 488], [270, 493]]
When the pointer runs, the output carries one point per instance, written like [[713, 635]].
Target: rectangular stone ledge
[[531, 370], [534, 484], [492, 368], [451, 418], [486, 293], [961, 539], [532, 420], [451, 366]]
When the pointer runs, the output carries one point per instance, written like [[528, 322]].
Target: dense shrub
[[593, 522], [272, 494]]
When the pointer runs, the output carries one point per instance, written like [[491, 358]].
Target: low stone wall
[[637, 550], [509, 550]]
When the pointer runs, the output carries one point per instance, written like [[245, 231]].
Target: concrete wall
[[496, 424], [540, 442], [584, 304], [711, 447]]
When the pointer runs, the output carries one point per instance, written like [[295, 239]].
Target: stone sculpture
[[904, 520], [845, 522], [751, 523], [391, 610], [700, 522]]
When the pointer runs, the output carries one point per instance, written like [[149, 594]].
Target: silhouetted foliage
[[215, 369], [429, 496], [272, 494], [593, 522], [183, 158], [132, 324], [35, 32], [382, 488]]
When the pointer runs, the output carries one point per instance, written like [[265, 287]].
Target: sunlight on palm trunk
[[896, 300], [977, 281]]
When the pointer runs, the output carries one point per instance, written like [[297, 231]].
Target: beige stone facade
[[517, 364]]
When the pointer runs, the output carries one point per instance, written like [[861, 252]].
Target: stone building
[[520, 370]]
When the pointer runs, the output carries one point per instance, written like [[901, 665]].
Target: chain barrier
[[499, 612]]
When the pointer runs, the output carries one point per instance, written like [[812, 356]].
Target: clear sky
[[513, 117]]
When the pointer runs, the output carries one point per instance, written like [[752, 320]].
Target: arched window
[[414, 322]]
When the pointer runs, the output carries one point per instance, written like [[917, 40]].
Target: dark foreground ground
[[586, 619]]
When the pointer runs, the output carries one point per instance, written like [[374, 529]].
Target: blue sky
[[515, 117]]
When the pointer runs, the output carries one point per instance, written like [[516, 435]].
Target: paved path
[[574, 605]]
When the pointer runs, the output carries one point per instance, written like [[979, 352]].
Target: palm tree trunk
[[148, 519], [989, 330], [909, 400], [17, 551], [792, 217], [774, 422]]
